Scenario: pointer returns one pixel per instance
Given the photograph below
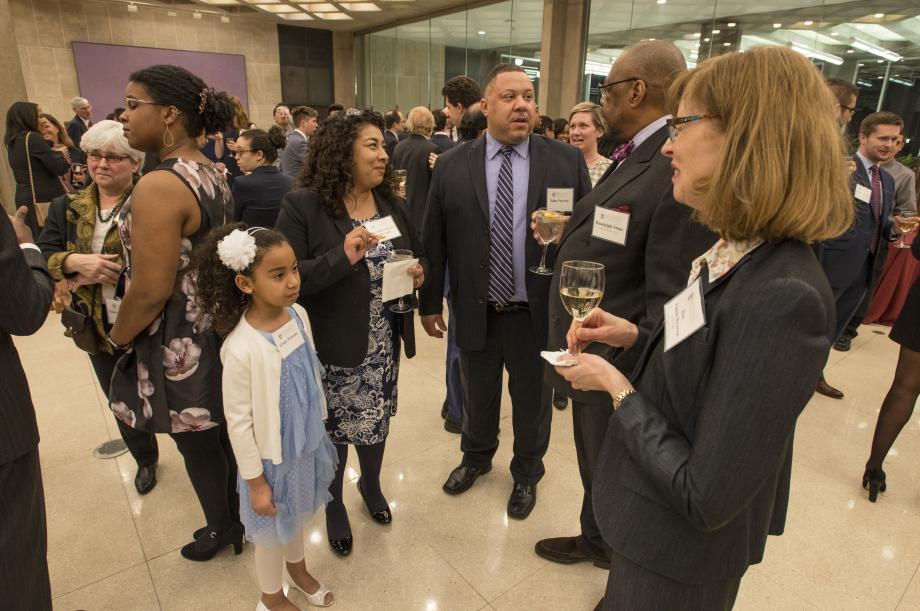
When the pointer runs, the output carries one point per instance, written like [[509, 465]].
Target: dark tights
[[897, 407], [370, 459], [211, 468]]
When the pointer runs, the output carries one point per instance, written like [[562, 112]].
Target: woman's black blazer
[[336, 294], [47, 166]]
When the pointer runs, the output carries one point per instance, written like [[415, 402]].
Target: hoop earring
[[172, 139]]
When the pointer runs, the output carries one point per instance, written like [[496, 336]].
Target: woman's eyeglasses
[[239, 152], [673, 132], [97, 157]]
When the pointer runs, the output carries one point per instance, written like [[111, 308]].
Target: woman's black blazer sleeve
[[41, 152], [53, 238]]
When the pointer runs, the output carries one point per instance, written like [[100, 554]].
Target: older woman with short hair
[[412, 155], [695, 469], [81, 244], [586, 125]]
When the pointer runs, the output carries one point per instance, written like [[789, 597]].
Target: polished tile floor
[[112, 549]]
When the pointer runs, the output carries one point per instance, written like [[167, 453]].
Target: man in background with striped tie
[[477, 220]]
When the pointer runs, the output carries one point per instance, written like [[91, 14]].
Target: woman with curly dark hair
[[168, 380], [345, 183]]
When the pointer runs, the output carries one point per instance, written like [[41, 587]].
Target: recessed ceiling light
[[324, 7], [809, 22], [132, 8], [662, 1], [520, 62], [696, 35], [334, 16], [359, 7], [726, 44], [835, 33], [777, 25], [705, 40], [219, 2], [196, 15], [482, 32], [880, 61], [295, 16], [262, 1], [277, 8], [732, 24], [717, 31], [849, 50], [880, 15]]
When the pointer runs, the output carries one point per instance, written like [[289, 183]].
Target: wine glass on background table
[[400, 255], [904, 224], [581, 287], [550, 226]]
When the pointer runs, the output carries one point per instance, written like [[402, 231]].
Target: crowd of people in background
[[227, 281]]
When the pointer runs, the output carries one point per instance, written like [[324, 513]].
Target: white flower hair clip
[[237, 250]]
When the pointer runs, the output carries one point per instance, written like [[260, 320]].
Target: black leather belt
[[515, 306]]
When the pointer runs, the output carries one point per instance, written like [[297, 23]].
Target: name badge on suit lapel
[[863, 194], [610, 225], [683, 315], [288, 338]]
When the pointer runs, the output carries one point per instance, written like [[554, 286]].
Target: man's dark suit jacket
[[411, 155], [842, 258], [390, 140], [29, 288], [443, 142], [335, 293], [257, 196], [75, 129], [695, 469], [456, 230], [661, 242]]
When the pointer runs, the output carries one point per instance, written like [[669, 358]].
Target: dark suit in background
[[48, 166], [457, 231], [293, 154], [76, 128], [695, 470], [850, 260], [24, 583], [443, 142], [661, 243], [257, 196], [411, 155], [390, 140]]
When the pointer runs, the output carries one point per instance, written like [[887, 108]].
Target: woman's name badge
[[610, 225], [383, 229], [111, 309], [863, 194], [288, 338], [683, 315]]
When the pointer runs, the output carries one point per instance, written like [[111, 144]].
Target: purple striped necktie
[[876, 202], [501, 261]]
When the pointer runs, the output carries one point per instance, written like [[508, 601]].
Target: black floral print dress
[[169, 382]]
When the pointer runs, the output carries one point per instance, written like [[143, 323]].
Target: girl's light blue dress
[[300, 484]]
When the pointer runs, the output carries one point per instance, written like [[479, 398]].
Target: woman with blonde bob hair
[[586, 125], [412, 156], [695, 469]]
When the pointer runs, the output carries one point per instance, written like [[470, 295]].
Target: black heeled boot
[[208, 543], [874, 482]]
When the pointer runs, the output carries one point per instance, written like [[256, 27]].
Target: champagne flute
[[400, 255], [581, 287], [903, 225], [401, 177], [550, 225]]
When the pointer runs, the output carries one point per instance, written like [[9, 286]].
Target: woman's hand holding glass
[[92, 269], [593, 372], [418, 275], [600, 326], [357, 243]]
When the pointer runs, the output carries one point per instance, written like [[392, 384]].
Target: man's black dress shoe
[[565, 550], [146, 478], [843, 343], [823, 388], [342, 547], [451, 427], [523, 498], [461, 479], [444, 411]]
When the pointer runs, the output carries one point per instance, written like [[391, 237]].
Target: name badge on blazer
[[863, 194], [610, 225], [112, 306], [684, 315], [288, 338]]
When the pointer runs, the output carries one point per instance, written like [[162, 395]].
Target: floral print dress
[[169, 382]]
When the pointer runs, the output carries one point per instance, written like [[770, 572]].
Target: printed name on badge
[[683, 315], [560, 200], [288, 338], [610, 225], [383, 229], [863, 194]]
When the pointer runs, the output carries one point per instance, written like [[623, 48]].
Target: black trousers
[[853, 326], [24, 582], [510, 345], [631, 587], [590, 427], [142, 445], [211, 467], [848, 298]]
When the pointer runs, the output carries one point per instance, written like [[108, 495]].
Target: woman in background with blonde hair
[[695, 469], [586, 125], [411, 155]]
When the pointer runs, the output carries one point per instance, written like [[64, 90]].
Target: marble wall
[[44, 30]]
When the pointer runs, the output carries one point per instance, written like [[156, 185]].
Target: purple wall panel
[[103, 71]]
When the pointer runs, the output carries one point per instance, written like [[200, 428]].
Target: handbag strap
[[29, 163]]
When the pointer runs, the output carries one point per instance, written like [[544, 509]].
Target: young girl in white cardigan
[[248, 283]]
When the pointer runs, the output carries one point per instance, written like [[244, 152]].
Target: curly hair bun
[[218, 112], [276, 137]]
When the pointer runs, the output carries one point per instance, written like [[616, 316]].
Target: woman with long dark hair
[[169, 380], [347, 182]]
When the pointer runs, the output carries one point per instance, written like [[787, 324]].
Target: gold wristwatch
[[622, 395]]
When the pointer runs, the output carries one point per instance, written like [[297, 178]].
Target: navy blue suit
[[257, 196], [849, 260]]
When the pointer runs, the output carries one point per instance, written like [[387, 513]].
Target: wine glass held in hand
[[549, 226], [401, 177], [581, 287], [400, 255], [904, 224]]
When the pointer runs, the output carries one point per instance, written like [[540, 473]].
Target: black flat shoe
[[146, 478], [462, 478], [560, 402], [209, 542], [522, 501], [381, 517], [342, 547]]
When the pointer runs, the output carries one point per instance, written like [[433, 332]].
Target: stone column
[[343, 67], [562, 55], [13, 90]]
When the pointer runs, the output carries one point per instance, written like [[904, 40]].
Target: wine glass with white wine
[[550, 225], [581, 287], [400, 255], [903, 225], [401, 178]]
